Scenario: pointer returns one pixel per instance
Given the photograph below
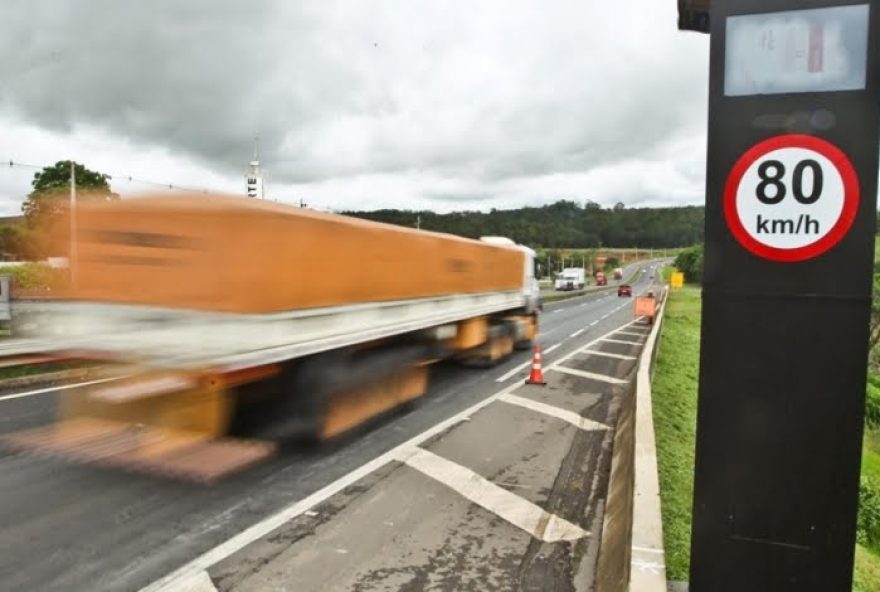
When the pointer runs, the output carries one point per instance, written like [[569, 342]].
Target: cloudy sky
[[435, 104]]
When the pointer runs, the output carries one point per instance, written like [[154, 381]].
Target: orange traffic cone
[[537, 375]]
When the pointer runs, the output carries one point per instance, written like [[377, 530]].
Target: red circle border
[[851, 197]]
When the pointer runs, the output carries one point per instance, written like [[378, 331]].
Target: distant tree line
[[564, 224]]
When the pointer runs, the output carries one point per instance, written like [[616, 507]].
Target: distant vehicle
[[570, 278], [624, 290], [618, 274], [601, 280]]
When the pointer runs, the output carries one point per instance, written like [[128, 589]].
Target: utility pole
[[418, 221], [71, 259]]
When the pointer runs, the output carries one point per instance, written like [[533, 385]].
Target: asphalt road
[[68, 527]]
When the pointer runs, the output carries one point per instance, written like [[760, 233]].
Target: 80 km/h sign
[[791, 197]]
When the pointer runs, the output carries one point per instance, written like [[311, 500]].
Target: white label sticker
[[790, 198], [816, 50]]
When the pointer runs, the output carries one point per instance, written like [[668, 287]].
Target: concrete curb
[[648, 571]]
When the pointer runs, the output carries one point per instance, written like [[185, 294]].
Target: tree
[[47, 206], [51, 190]]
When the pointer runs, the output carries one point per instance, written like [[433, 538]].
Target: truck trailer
[[230, 325]]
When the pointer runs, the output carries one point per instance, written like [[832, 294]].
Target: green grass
[[675, 417], [30, 369], [867, 571], [674, 393]]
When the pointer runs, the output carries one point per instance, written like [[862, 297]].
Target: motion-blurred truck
[[618, 273], [232, 325], [601, 280], [571, 278]]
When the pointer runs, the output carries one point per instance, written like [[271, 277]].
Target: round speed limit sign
[[791, 197]]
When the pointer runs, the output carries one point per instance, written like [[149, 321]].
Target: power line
[[11, 163]]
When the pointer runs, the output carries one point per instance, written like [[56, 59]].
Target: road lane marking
[[53, 389], [590, 375], [518, 511], [594, 352], [553, 411], [208, 559], [594, 323], [578, 332], [552, 348], [199, 582], [622, 341], [630, 333]]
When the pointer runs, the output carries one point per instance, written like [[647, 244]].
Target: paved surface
[[419, 519]]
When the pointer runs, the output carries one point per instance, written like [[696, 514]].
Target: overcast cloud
[[361, 105]]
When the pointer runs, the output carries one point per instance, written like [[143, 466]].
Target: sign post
[[794, 130]]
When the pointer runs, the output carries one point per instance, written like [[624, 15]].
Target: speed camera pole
[[794, 113]]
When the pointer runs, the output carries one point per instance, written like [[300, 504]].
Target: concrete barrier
[[631, 548]]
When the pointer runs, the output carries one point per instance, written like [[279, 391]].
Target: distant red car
[[624, 290]]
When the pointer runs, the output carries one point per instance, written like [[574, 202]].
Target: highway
[[68, 527]]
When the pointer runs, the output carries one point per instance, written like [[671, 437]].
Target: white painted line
[[518, 511], [590, 375], [594, 352], [622, 341], [516, 370], [199, 582], [53, 389], [212, 557], [553, 411], [578, 332], [524, 365], [630, 333], [594, 323], [558, 310]]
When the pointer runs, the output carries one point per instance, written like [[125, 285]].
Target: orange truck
[[230, 324]]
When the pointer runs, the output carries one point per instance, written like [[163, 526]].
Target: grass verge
[[674, 393]]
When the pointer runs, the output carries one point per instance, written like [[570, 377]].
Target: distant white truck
[[570, 278]]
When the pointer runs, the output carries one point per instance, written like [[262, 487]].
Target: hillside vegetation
[[563, 224]]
